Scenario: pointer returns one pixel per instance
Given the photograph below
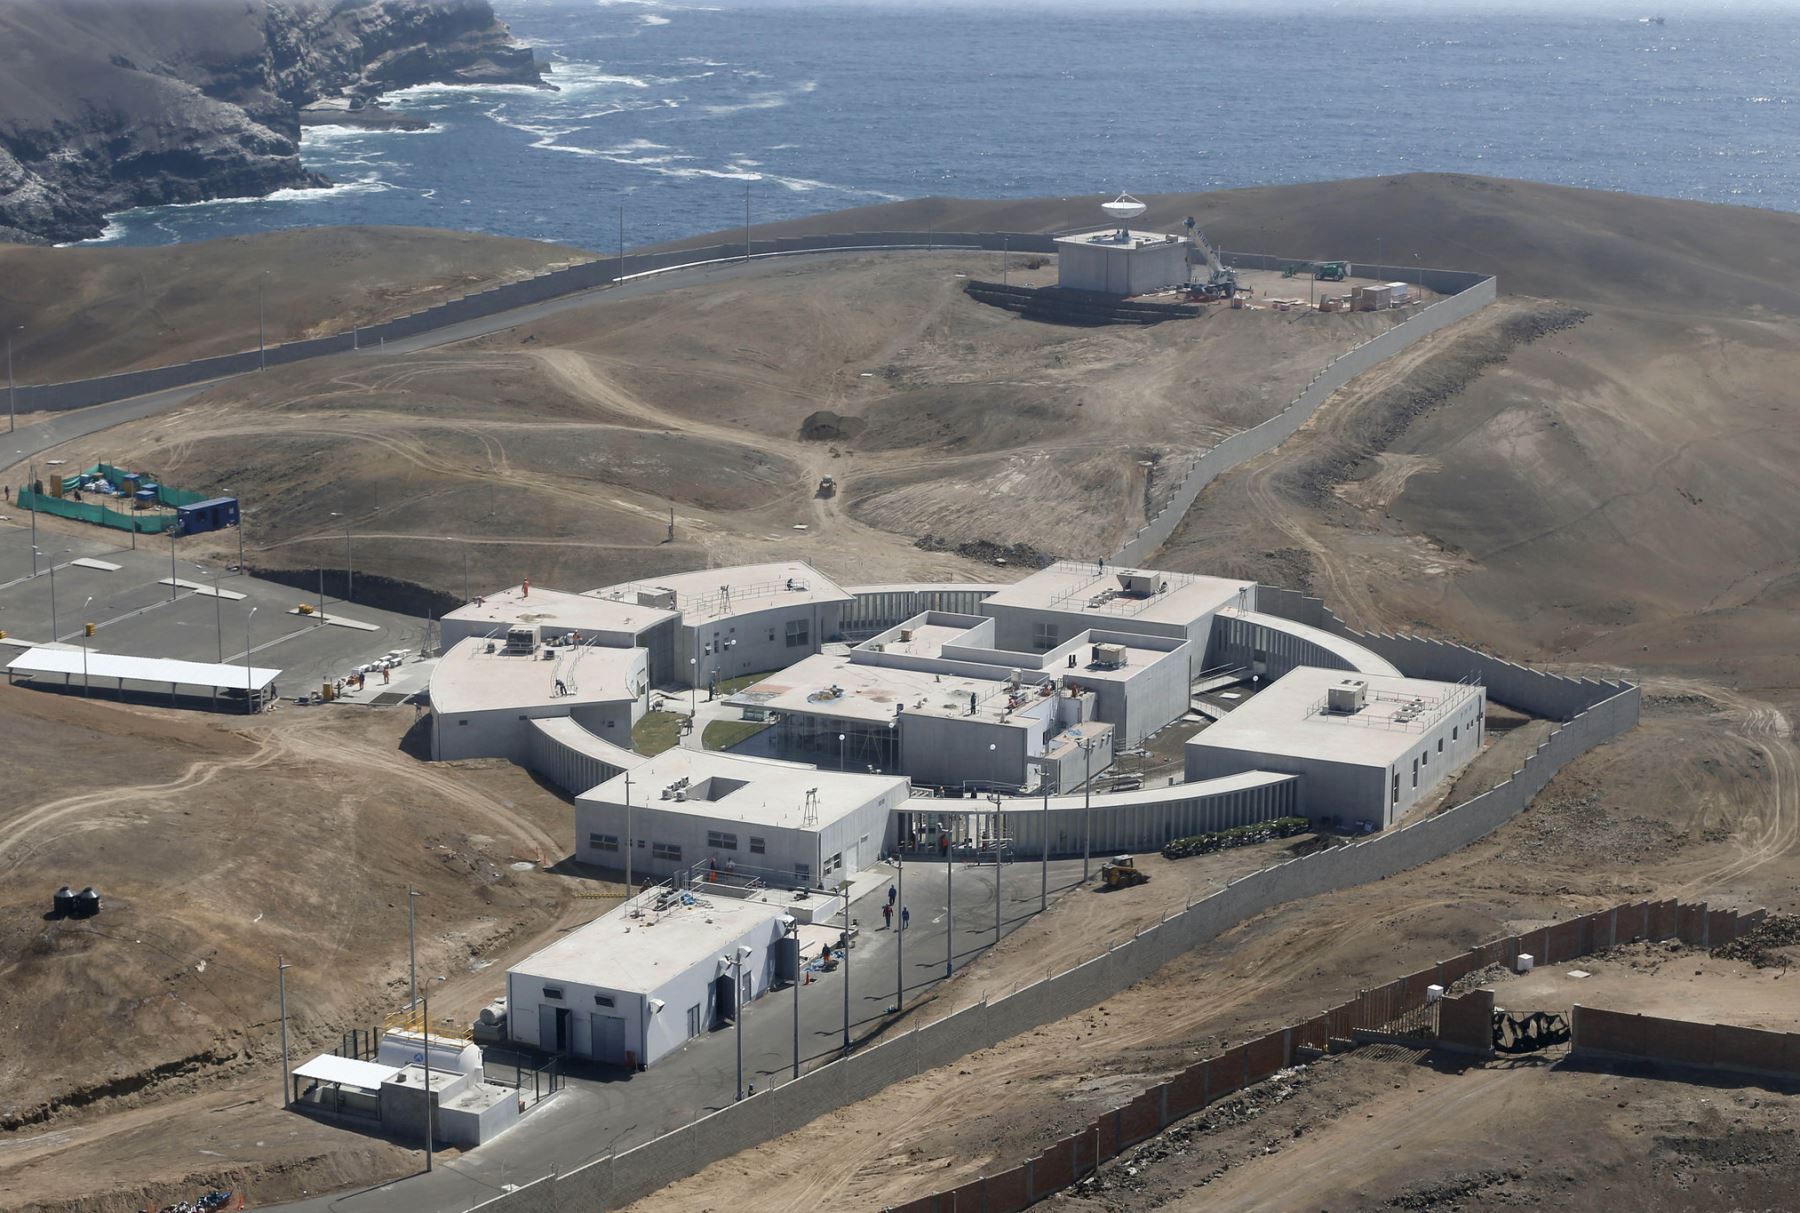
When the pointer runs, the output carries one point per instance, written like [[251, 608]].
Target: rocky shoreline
[[143, 103]]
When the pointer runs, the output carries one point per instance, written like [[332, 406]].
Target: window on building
[[803, 874], [461, 723], [758, 845], [1043, 637], [1440, 745], [719, 841], [693, 1021], [1396, 787], [835, 863], [603, 1000], [603, 842], [553, 993], [665, 850], [1453, 731], [1415, 772], [799, 633]]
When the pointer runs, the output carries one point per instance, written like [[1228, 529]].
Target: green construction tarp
[[97, 512]]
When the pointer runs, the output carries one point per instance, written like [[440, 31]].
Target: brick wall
[[1682, 1042]]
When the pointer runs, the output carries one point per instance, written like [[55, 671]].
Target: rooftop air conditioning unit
[[906, 634], [1112, 655], [1140, 585], [1348, 697]]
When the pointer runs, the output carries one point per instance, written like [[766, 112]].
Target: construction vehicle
[[827, 487], [1221, 283], [1331, 271], [1121, 873]]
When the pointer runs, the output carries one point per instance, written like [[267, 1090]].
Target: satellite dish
[[1123, 208]]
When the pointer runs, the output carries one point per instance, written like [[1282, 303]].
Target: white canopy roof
[[329, 1067], [142, 669]]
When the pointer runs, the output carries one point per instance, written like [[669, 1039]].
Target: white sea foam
[[651, 19]]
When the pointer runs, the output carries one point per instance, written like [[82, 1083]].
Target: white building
[[739, 620], [628, 989], [1117, 261], [790, 824], [1046, 609], [552, 614], [1367, 746], [484, 693]]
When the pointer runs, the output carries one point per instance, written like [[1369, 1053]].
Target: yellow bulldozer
[[1122, 873]]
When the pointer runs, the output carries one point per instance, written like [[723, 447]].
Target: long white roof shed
[[157, 670]]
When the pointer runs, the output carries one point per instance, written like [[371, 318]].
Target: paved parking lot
[[136, 612]]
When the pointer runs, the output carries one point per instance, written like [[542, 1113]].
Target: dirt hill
[[76, 312]]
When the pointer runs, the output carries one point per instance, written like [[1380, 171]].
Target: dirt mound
[[1773, 944], [827, 426], [987, 551]]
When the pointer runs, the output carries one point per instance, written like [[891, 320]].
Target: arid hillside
[[78, 312]]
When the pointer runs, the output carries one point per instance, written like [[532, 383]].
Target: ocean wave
[[111, 233], [772, 100], [651, 19]]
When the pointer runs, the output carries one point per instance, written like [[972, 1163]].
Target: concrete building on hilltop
[[1366, 746], [1120, 261], [484, 694], [790, 825]]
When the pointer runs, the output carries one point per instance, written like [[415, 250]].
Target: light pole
[[349, 574], [949, 898], [841, 752], [281, 968], [740, 955], [844, 888], [746, 222], [629, 888], [262, 356], [248, 691], [425, 1031], [218, 612], [12, 391], [466, 597], [50, 557], [1044, 852], [621, 274], [900, 923], [31, 481], [794, 930], [995, 797], [412, 951], [1087, 807], [84, 646], [173, 590]]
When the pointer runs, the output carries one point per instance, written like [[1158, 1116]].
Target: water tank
[[87, 903], [494, 1012], [63, 902]]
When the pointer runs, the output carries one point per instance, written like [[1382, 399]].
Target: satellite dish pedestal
[[1121, 210]]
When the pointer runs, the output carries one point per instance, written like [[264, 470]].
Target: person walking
[[887, 916], [905, 917], [891, 896]]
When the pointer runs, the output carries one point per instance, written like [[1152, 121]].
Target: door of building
[[609, 1039], [553, 1029]]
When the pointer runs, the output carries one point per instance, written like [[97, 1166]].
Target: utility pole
[[949, 900], [1044, 854], [900, 922], [794, 930], [262, 349], [412, 952], [844, 888], [84, 645], [746, 222], [995, 797], [281, 968], [247, 674], [621, 274], [630, 889], [218, 617], [1005, 251], [737, 1014], [12, 391], [425, 1027], [172, 587], [1087, 808]]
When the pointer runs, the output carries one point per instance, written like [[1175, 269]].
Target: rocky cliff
[[110, 104]]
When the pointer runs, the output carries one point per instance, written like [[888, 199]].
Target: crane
[[1221, 283]]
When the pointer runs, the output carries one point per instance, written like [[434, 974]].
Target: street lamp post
[[349, 573], [425, 1030], [173, 590], [218, 615], [736, 960], [629, 887], [262, 356], [12, 391], [841, 752], [287, 1083], [50, 558], [949, 899], [844, 888], [412, 952], [794, 930], [995, 797], [900, 939], [248, 690], [84, 645], [1087, 807]]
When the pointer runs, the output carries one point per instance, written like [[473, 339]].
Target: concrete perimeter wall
[[1473, 293], [1149, 1112], [1610, 709], [1710, 1046]]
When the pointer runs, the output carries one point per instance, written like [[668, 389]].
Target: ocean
[[672, 112]]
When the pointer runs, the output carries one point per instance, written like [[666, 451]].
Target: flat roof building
[[1368, 746], [1119, 261], [1047, 608], [790, 824], [552, 614], [638, 983], [484, 693], [742, 619]]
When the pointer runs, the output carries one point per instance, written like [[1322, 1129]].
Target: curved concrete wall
[[573, 758]]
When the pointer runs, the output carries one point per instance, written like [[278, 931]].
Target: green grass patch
[[728, 734], [655, 732], [732, 686]]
